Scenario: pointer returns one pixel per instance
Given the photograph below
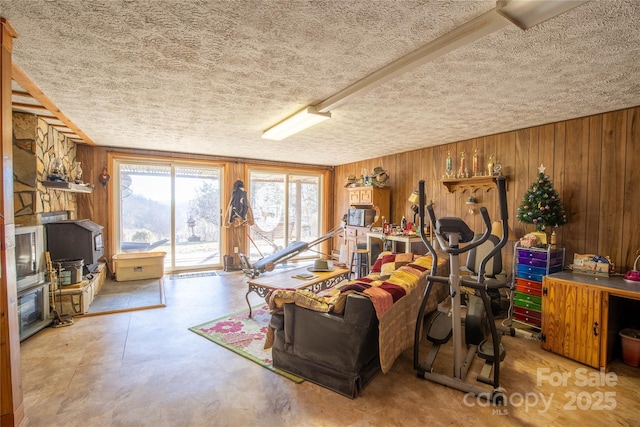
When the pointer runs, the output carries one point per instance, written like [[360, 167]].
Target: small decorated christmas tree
[[541, 204]]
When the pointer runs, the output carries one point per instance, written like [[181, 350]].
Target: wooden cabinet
[[582, 315], [360, 196], [370, 196], [356, 235], [366, 197], [532, 265], [572, 323]]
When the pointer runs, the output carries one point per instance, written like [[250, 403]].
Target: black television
[[76, 239]]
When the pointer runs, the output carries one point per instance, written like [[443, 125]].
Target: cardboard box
[[138, 266], [584, 264]]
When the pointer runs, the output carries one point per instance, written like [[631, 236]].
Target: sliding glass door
[[170, 207], [286, 208]]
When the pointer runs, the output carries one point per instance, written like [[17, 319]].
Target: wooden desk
[[582, 315], [284, 279]]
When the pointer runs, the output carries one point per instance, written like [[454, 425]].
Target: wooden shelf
[[67, 186], [472, 184]]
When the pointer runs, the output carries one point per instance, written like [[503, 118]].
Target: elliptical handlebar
[[432, 251], [443, 243], [504, 216]]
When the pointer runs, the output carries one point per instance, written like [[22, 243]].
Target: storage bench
[[138, 266]]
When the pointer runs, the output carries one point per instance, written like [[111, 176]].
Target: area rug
[[130, 295], [244, 336], [192, 275]]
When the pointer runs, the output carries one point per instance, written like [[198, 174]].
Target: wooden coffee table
[[284, 279]]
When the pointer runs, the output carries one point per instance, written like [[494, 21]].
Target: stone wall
[[35, 146]]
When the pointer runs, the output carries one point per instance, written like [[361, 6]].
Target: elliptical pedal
[[439, 328], [439, 332], [485, 351]]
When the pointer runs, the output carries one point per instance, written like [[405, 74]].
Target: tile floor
[[145, 368]]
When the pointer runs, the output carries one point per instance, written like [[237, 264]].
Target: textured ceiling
[[210, 76]]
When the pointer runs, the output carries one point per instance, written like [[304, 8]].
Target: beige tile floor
[[145, 368]]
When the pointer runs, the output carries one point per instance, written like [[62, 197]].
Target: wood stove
[[76, 239]]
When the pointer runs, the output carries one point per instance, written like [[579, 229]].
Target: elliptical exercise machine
[[441, 327]]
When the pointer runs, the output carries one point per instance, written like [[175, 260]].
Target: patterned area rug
[[244, 336]]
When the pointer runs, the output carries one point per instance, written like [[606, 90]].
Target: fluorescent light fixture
[[528, 13], [300, 121], [524, 13], [485, 24]]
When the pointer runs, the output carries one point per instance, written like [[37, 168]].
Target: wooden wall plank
[[630, 238], [575, 195], [545, 150], [558, 169], [519, 183], [612, 187], [594, 179]]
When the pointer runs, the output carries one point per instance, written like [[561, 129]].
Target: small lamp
[[413, 199], [104, 177]]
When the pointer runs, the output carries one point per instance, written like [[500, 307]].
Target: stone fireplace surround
[[35, 145]]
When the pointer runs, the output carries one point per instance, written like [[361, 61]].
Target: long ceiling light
[[298, 122], [523, 13], [528, 13]]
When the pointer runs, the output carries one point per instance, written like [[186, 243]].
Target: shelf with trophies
[[58, 181], [477, 178]]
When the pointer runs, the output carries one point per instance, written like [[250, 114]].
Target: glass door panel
[[304, 208], [173, 208], [197, 213], [145, 208], [268, 204], [286, 209]]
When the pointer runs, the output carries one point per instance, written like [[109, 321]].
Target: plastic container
[[630, 346], [69, 270], [138, 266]]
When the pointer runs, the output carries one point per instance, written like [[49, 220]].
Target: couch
[[342, 339]]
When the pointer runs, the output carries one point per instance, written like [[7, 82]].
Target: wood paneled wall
[[593, 163]]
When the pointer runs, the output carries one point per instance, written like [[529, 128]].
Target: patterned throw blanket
[[392, 277], [396, 287]]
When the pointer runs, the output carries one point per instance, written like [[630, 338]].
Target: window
[[286, 208]]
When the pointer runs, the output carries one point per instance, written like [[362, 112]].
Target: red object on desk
[[386, 228]]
